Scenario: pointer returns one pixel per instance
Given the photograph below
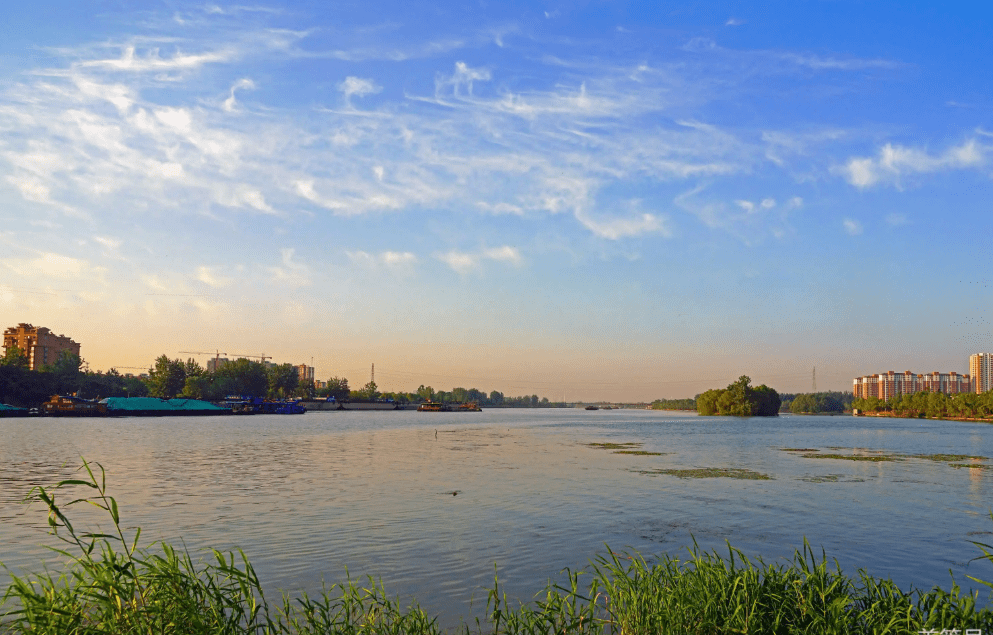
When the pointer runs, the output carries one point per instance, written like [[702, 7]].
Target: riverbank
[[891, 415]]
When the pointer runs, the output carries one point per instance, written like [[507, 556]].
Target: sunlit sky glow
[[596, 200]]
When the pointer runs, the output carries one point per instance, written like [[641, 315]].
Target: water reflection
[[308, 496]]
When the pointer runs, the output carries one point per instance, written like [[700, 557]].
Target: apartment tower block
[[39, 343], [980, 367]]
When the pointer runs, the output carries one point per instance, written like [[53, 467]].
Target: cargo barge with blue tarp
[[12, 411], [155, 407]]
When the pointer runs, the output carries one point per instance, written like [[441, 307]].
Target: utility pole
[[814, 380], [373, 378]]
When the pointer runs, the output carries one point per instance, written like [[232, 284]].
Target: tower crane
[[217, 355]]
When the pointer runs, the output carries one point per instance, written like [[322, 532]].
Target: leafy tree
[[21, 387], [198, 387], [766, 402], [305, 389], [243, 377], [369, 391], [14, 357], [167, 378], [193, 369], [496, 398], [674, 404], [337, 387], [283, 380], [425, 393], [740, 400], [66, 373], [706, 403]]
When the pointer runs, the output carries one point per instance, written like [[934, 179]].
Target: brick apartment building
[[39, 343], [888, 384]]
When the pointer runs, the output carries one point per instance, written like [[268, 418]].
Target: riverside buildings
[[39, 343], [980, 366], [889, 384], [305, 372]]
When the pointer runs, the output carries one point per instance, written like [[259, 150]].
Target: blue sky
[[582, 200]]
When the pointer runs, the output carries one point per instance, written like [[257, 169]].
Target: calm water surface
[[308, 496]]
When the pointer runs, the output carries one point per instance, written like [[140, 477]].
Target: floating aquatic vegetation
[[615, 446], [710, 472], [116, 586], [831, 478], [799, 449], [948, 458], [975, 466], [641, 453], [827, 478], [876, 458]]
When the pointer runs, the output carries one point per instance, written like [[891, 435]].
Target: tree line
[[739, 400], [936, 405], [169, 378], [66, 375], [814, 402], [674, 404]]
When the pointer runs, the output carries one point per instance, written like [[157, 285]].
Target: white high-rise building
[[981, 370]]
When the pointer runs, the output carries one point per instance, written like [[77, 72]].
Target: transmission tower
[[813, 380], [373, 379]]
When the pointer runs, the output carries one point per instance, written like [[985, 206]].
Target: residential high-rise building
[[39, 343], [890, 384], [981, 369], [305, 372]]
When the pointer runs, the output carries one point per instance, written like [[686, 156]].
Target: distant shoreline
[[896, 416]]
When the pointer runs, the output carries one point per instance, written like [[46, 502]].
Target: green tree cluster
[[336, 387], [674, 404], [65, 376], [935, 405], [170, 378], [455, 395], [813, 402], [739, 400]]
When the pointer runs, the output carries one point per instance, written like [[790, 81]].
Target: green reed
[[111, 585]]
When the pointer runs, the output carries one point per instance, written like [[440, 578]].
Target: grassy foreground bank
[[111, 585]]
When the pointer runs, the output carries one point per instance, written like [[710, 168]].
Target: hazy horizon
[[593, 201]]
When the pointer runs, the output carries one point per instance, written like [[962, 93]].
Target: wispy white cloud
[[212, 276], [357, 86], [291, 273], [852, 227], [54, 266], [244, 84], [463, 262], [465, 76], [400, 261], [132, 61], [895, 162]]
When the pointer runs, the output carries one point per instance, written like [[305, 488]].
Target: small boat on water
[[70, 406], [433, 406], [259, 406], [592, 407], [13, 411]]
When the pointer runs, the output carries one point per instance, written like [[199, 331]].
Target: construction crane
[[261, 357], [217, 355]]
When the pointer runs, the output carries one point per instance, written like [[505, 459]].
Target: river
[[431, 502]]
